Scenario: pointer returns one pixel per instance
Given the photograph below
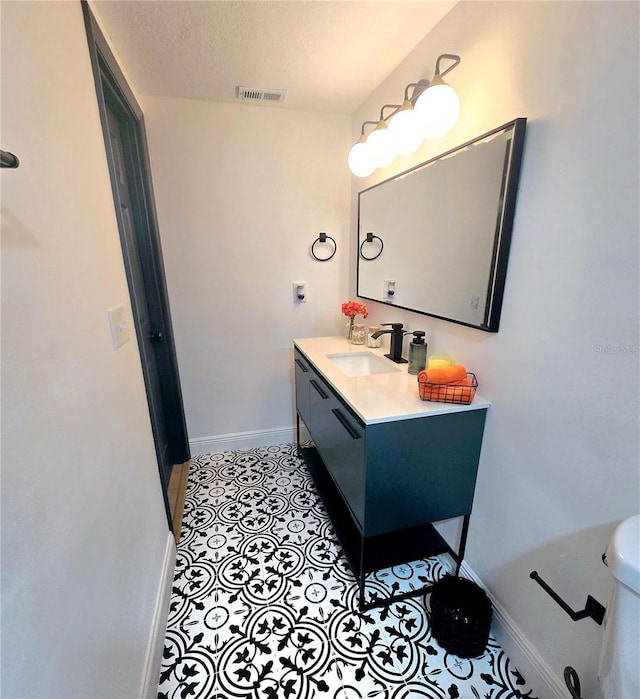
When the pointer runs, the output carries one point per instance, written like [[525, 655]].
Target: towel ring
[[369, 239], [322, 238]]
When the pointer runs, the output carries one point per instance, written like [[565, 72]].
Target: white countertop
[[381, 397]]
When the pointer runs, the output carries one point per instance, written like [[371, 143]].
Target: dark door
[[128, 159], [149, 337]]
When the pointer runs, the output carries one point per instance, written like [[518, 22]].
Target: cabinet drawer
[[347, 461], [339, 437]]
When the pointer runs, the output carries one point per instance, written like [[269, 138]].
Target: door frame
[[109, 79]]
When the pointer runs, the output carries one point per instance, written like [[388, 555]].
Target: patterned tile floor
[[264, 605]]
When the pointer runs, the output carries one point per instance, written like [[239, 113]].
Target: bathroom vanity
[[386, 464]]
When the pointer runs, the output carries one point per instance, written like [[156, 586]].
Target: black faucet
[[395, 349]]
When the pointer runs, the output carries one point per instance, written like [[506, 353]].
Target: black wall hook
[[593, 609], [8, 159], [322, 238]]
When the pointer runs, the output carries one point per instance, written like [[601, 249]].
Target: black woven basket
[[460, 616]]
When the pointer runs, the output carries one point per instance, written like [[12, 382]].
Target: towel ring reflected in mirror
[[369, 239], [322, 238]]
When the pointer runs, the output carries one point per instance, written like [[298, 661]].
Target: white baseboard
[[536, 671], [155, 647], [246, 440]]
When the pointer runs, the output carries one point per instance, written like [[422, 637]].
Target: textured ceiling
[[329, 56]]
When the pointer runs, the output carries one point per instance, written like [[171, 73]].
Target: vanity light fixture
[[360, 160], [431, 112], [437, 108], [380, 145], [404, 130]]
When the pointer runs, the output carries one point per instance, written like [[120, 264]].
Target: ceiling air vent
[[253, 94]]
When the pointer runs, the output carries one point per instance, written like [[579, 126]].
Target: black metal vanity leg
[[361, 574], [463, 542], [298, 433]]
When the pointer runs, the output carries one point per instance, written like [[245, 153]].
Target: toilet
[[619, 670]]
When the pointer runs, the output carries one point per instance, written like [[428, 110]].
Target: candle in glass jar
[[358, 334], [373, 341]]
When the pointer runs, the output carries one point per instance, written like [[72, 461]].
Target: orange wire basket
[[462, 392]]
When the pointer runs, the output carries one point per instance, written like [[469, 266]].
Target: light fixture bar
[[418, 89], [364, 123], [450, 57], [388, 106]]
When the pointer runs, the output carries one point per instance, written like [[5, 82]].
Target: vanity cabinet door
[[346, 458], [422, 470], [303, 376], [339, 438]]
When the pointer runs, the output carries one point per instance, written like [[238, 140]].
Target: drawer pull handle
[[343, 421], [302, 366], [323, 395]]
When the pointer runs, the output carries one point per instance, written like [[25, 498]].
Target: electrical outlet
[[389, 291], [299, 292]]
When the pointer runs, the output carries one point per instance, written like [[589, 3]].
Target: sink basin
[[361, 364]]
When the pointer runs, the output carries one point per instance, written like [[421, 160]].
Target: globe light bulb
[[437, 109], [380, 145], [359, 159], [404, 131]]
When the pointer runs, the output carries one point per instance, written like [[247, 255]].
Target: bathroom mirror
[[435, 239]]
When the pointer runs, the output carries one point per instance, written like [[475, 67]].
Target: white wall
[[84, 531], [242, 193], [560, 461]]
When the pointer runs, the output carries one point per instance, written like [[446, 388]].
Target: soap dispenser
[[417, 353]]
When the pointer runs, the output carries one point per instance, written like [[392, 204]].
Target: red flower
[[352, 308]]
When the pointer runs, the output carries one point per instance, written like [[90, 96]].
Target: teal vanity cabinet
[[385, 480]]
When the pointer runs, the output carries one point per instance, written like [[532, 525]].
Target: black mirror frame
[[502, 239]]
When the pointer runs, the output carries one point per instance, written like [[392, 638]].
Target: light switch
[[299, 292], [119, 326]]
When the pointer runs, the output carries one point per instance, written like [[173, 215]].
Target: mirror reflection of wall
[[446, 230]]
